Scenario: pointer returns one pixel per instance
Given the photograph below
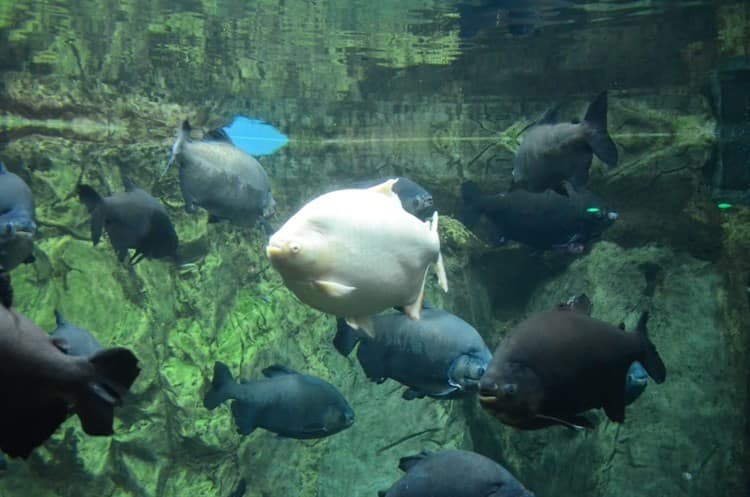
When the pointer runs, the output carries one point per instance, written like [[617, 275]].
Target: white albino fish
[[356, 252]]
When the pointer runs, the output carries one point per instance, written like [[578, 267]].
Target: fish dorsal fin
[[386, 187], [549, 116], [277, 370], [129, 184], [408, 462], [59, 319], [218, 135]]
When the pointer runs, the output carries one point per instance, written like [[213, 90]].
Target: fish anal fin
[[439, 265], [333, 289], [363, 323], [244, 415]]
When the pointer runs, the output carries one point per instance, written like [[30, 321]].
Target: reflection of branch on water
[[405, 438]]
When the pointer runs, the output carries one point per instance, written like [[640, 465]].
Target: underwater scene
[[347, 248]]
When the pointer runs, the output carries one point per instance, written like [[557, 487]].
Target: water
[[440, 92]]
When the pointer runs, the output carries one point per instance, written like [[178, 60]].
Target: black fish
[[17, 224], [74, 340], [291, 404], [440, 355], [543, 221], [414, 198], [40, 386], [133, 220], [454, 473], [560, 363], [222, 178], [552, 152]]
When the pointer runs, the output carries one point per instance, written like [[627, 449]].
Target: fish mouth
[[274, 251], [488, 399]]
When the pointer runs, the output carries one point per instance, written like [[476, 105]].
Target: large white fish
[[356, 252]]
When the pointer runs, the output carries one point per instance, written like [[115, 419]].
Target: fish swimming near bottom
[[78, 342], [288, 403], [557, 364], [40, 385], [542, 221], [454, 473], [133, 219], [440, 356]]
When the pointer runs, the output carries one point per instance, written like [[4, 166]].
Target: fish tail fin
[[116, 370], [346, 337], [470, 204], [650, 357], [221, 385], [439, 266], [93, 201], [182, 136], [598, 138]]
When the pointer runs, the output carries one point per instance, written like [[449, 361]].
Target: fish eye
[[510, 389], [480, 371], [295, 247]]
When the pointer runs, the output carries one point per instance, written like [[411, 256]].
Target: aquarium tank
[[348, 248]]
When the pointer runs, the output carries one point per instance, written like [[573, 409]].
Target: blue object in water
[[254, 136]]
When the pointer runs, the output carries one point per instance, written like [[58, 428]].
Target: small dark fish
[[133, 220], [454, 473], [558, 364], [288, 403], [73, 340], [40, 386], [543, 221], [440, 355], [552, 152], [222, 178], [414, 199], [17, 224]]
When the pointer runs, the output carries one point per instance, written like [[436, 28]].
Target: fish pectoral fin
[[333, 289], [363, 323], [411, 394], [61, 344], [614, 407], [439, 266]]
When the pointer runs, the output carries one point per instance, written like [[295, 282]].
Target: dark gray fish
[[73, 340], [553, 152], [40, 386], [17, 224], [558, 364], [414, 198], [222, 178], [454, 473], [133, 220], [288, 403], [543, 221], [440, 355]]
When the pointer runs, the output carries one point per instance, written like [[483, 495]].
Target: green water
[[95, 91]]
